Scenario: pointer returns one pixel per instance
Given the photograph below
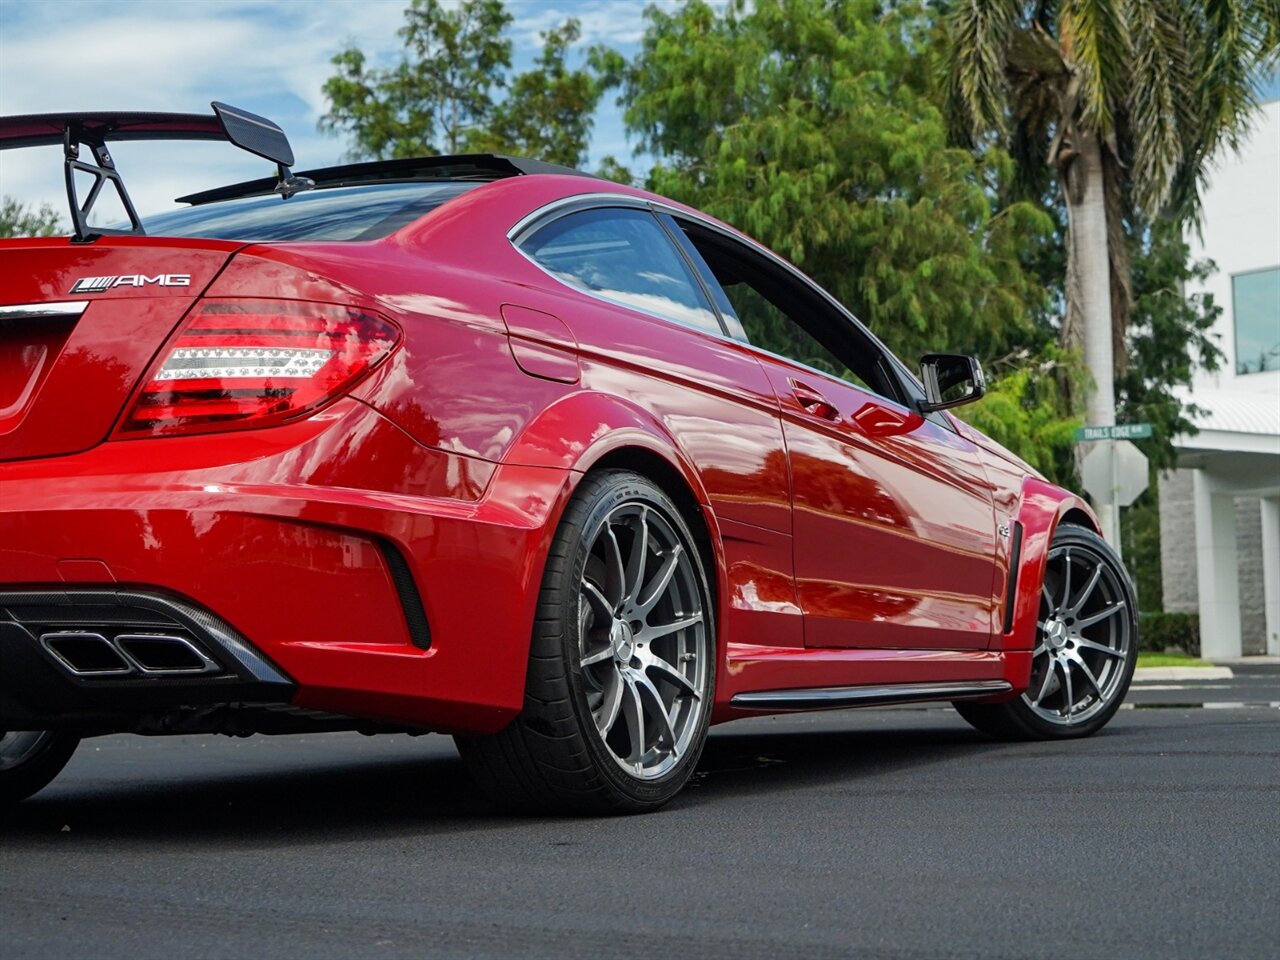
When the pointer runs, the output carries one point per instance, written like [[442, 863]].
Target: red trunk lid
[[79, 324]]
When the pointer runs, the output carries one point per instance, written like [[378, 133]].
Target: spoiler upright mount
[[248, 131]]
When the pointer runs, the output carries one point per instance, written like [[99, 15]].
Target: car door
[[893, 523], [646, 331]]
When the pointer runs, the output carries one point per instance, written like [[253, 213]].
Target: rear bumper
[[310, 541], [105, 659]]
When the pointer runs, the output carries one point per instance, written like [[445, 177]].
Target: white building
[[1220, 510]]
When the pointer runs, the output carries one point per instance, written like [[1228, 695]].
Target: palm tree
[[1127, 101]]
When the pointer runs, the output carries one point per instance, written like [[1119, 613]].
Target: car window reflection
[[624, 256], [339, 213]]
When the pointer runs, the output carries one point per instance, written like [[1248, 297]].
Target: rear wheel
[[1085, 651], [622, 663], [30, 759]]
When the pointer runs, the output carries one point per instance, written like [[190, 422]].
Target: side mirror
[[950, 379]]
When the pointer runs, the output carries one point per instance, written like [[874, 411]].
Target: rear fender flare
[[585, 429], [579, 429]]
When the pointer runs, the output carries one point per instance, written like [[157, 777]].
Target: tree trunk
[[1089, 276], [1089, 295]]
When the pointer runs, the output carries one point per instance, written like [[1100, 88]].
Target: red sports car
[[482, 446]]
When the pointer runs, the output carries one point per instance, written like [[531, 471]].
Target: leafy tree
[[440, 98], [612, 169], [548, 112], [441, 89], [20, 220], [1168, 336], [812, 125], [1025, 408], [1128, 100], [1140, 533], [1029, 404]]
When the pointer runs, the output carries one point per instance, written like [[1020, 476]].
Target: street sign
[[1115, 473], [1116, 431]]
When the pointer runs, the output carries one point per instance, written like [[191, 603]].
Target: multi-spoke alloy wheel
[[30, 759], [622, 665], [1085, 649], [1083, 636], [642, 639]]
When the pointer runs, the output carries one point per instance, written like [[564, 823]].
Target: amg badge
[[98, 284]]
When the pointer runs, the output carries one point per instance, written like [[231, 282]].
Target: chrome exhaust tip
[[86, 654], [160, 653]]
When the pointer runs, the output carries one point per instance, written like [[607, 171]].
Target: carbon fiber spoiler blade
[[45, 129]]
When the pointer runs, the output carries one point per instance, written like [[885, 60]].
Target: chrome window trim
[[558, 208], [36, 311]]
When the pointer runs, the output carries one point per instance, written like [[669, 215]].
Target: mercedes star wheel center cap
[[624, 643], [1056, 633]]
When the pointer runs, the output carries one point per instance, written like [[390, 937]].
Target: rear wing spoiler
[[248, 131], [44, 129]]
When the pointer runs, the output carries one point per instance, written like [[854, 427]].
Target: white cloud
[[170, 56], [615, 22], [268, 56], [147, 55]]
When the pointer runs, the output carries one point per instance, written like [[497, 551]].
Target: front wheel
[[1085, 651], [622, 662], [30, 759]]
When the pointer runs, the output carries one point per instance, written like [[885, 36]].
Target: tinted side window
[[767, 326], [625, 256], [776, 312]]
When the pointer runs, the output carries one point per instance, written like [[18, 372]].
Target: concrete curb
[[1143, 674]]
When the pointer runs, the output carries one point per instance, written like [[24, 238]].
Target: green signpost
[[1113, 473], [1116, 431]]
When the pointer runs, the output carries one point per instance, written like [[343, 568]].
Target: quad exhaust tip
[[87, 654]]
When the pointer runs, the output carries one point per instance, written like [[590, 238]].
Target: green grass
[[1170, 660]]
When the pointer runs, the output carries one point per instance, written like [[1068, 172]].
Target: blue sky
[[268, 56]]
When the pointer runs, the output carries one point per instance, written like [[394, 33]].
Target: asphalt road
[[880, 834]]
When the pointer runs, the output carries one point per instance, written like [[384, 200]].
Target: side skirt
[[832, 698]]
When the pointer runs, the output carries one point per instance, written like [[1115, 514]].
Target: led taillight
[[256, 363]]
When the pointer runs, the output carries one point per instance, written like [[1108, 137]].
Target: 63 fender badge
[[98, 284]]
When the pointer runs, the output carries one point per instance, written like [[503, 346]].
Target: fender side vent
[[415, 615], [1011, 588]]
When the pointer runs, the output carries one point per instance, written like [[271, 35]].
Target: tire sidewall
[[39, 770]]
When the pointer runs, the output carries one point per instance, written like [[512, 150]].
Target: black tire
[[554, 757], [1054, 672], [30, 760]]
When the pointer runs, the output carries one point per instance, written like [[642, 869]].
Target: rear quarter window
[[622, 255]]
